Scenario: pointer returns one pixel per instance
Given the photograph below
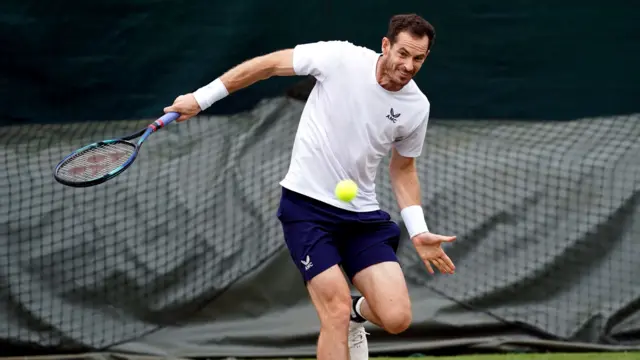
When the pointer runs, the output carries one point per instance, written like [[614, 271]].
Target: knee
[[397, 320], [336, 312]]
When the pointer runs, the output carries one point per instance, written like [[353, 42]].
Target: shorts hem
[[309, 275], [387, 256]]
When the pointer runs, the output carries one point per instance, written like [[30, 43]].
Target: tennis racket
[[101, 161]]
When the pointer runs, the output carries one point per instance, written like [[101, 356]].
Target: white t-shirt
[[350, 123]]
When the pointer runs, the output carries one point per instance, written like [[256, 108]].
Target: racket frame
[[143, 134]]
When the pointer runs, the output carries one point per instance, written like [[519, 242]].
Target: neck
[[383, 78]]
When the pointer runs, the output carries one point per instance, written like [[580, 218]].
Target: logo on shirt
[[393, 116]]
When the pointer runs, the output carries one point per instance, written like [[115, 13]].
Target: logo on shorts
[[307, 263], [393, 116]]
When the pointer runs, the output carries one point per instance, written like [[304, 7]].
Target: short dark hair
[[412, 23]]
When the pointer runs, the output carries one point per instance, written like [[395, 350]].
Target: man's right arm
[[279, 63], [315, 59]]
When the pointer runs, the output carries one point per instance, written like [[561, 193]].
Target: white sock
[[359, 305]]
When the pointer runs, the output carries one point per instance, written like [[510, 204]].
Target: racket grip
[[165, 120]]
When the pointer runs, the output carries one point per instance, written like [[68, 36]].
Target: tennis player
[[364, 105]]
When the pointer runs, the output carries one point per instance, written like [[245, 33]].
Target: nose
[[408, 65]]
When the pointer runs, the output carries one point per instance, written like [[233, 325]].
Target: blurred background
[[531, 159]]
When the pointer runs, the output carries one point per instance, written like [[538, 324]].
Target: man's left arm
[[406, 187], [405, 181]]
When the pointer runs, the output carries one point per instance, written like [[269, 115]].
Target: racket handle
[[165, 120]]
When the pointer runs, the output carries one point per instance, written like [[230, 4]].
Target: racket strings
[[96, 162]]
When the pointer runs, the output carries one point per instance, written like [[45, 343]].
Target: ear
[[386, 45]]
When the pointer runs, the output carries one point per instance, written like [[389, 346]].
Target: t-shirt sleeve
[[318, 59], [411, 145]]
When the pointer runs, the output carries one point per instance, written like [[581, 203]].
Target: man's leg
[[330, 295], [327, 286], [372, 266], [307, 227], [386, 300]]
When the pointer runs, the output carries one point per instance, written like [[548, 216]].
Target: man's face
[[405, 57]]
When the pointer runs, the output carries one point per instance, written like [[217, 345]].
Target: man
[[363, 105]]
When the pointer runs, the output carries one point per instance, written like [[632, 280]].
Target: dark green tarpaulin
[[183, 255]]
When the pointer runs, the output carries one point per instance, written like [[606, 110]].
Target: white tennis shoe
[[358, 345]]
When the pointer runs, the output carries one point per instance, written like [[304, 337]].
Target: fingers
[[439, 265], [450, 264], [183, 116], [429, 268], [442, 262], [185, 105], [445, 265], [443, 238], [432, 239], [178, 107], [174, 106]]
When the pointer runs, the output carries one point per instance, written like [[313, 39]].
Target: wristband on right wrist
[[210, 93]]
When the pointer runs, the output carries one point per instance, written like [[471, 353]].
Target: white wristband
[[413, 217], [209, 94]]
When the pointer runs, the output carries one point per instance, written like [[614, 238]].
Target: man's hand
[[185, 105], [428, 247]]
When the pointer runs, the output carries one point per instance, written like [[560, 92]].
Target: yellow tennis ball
[[346, 190]]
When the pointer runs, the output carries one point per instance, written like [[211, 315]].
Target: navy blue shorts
[[319, 235]]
